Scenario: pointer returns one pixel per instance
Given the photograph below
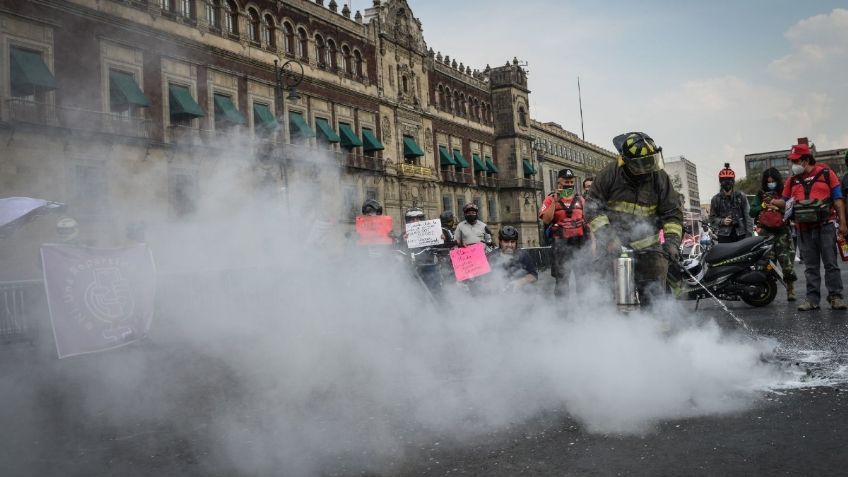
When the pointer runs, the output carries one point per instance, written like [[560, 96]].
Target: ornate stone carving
[[387, 128], [428, 140]]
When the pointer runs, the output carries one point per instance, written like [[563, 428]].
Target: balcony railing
[[457, 177], [520, 183], [363, 162], [413, 170], [487, 181], [46, 114]]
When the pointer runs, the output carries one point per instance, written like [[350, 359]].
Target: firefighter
[[629, 203]]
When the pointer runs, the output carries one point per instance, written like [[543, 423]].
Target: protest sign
[[98, 299], [374, 229], [424, 234], [469, 262]]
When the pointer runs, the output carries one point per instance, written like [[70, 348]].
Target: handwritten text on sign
[[469, 262], [374, 230], [424, 233]]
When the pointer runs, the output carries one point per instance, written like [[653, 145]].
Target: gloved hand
[[671, 248]]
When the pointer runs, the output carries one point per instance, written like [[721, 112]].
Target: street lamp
[[288, 78]]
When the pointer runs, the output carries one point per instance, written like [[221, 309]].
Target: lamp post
[[288, 77], [537, 149]]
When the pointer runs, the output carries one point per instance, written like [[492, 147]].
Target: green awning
[[490, 164], [298, 126], [529, 170], [479, 165], [326, 131], [262, 117], [29, 73], [182, 104], [410, 148], [460, 161], [445, 157], [349, 138], [370, 141], [225, 110], [123, 90]]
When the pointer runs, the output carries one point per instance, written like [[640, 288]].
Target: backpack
[[811, 211]]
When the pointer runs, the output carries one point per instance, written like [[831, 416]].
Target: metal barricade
[[542, 257], [18, 300]]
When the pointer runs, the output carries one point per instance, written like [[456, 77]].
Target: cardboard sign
[[374, 229], [470, 262], [424, 234]]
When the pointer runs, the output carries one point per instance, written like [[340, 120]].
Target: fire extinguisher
[[843, 248]]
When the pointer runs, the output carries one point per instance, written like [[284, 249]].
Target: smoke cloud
[[279, 348]]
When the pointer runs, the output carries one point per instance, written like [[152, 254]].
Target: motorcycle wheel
[[765, 298]]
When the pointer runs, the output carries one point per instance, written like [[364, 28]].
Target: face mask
[[797, 169], [772, 185], [471, 219], [726, 186], [566, 192]]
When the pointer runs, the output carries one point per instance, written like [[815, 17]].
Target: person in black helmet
[[372, 207], [424, 259], [563, 211], [516, 263], [472, 230], [448, 223]]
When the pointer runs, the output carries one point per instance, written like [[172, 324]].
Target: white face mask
[[797, 169]]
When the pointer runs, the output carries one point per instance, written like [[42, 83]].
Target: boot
[[807, 306], [790, 291]]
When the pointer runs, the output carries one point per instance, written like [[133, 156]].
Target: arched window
[[347, 60], [522, 116], [440, 97], [476, 109], [268, 27], [332, 55], [357, 59], [288, 38], [457, 103], [231, 17], [253, 30], [463, 105], [213, 14], [448, 99], [320, 50], [302, 44]]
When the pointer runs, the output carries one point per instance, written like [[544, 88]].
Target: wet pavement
[[52, 424]]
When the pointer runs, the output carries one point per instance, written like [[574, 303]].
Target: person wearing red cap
[[729, 210], [815, 195]]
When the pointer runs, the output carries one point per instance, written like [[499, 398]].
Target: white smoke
[[279, 349]]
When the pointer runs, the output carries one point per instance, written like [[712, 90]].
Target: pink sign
[[374, 230], [469, 262]]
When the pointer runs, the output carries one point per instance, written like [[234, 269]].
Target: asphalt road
[[52, 424]]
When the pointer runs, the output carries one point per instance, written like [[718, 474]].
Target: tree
[[749, 184]]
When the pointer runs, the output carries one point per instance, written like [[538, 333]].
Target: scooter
[[740, 270]]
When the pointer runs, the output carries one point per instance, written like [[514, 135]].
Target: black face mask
[[726, 186], [471, 219]]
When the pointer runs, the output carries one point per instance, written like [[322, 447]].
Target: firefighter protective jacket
[[634, 211]]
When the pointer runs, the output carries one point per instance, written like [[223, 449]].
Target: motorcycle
[[740, 270]]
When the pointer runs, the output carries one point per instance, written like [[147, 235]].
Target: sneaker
[[836, 303], [790, 292], [807, 306]]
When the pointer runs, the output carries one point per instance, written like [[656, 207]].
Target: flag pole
[[580, 99]]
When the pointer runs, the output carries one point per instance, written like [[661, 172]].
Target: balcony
[[32, 112], [456, 177], [414, 170], [487, 181], [520, 183], [363, 162]]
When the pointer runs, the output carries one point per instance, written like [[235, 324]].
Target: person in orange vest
[[563, 210]]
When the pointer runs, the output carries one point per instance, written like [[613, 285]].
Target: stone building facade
[[117, 105]]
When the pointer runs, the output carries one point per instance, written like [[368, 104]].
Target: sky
[[712, 81]]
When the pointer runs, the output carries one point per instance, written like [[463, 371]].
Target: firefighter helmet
[[638, 153]]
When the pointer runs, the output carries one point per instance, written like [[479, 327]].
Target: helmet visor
[[646, 164]]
